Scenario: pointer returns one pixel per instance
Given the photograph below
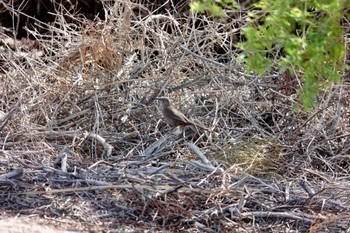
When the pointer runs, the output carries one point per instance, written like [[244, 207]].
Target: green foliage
[[307, 35], [215, 7]]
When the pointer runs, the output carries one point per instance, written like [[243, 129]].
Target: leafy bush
[[308, 37], [215, 7]]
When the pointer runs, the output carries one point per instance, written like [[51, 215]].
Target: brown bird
[[174, 117]]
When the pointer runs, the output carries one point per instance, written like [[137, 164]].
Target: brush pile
[[84, 146]]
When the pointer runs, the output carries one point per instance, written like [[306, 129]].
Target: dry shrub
[[85, 141]]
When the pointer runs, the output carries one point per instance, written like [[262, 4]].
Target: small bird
[[174, 117]]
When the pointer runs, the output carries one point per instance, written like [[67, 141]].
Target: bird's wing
[[177, 115]]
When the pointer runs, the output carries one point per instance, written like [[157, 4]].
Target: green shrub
[[308, 36]]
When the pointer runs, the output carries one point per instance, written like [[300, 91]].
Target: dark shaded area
[[19, 14]]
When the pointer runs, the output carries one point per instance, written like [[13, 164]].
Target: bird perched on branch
[[174, 117]]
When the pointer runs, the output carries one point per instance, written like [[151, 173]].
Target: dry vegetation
[[84, 146]]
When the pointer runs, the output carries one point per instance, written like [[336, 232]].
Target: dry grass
[[83, 145]]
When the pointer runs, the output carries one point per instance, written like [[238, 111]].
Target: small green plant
[[308, 36], [215, 7]]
